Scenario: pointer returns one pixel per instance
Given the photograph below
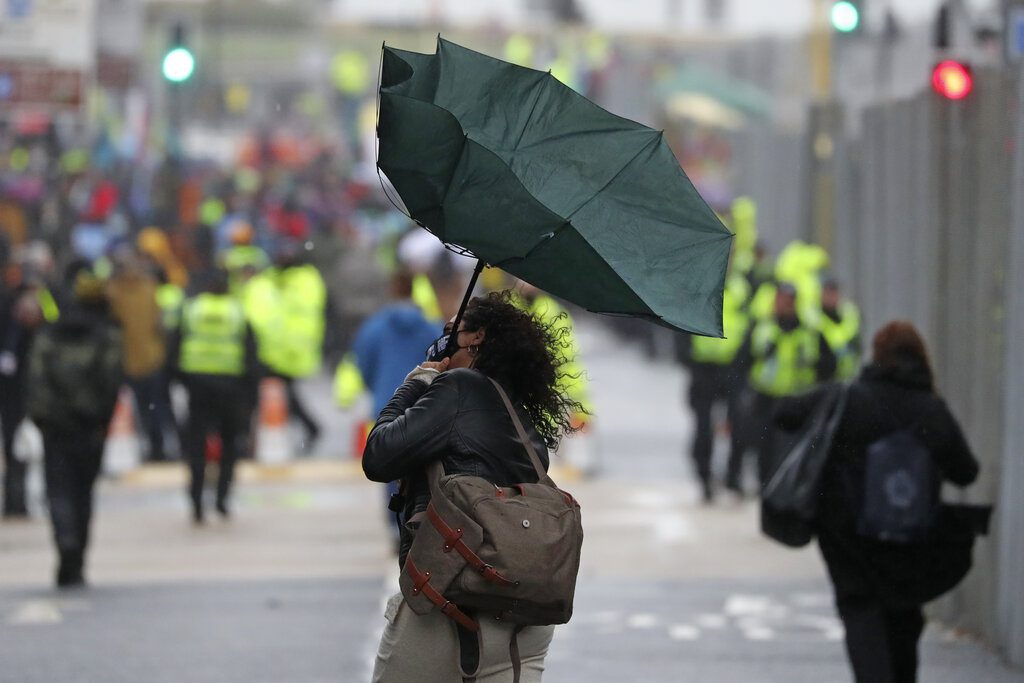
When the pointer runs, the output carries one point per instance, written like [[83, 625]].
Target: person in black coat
[[449, 411], [895, 392], [74, 375]]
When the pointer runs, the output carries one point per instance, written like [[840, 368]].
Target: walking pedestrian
[[894, 393], [75, 373], [22, 314], [297, 352], [786, 357], [132, 291], [840, 324], [717, 379], [389, 343], [214, 354], [450, 411]]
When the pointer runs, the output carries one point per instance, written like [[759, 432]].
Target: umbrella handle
[[452, 337]]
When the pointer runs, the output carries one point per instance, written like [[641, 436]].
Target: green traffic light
[[845, 17], [178, 65]]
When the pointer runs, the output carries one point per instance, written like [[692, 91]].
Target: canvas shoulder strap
[[542, 475]]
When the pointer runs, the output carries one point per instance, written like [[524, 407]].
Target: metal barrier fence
[[929, 227], [1010, 566]]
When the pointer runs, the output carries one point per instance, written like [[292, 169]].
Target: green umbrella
[[511, 165]]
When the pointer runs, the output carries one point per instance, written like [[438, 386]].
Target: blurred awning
[[708, 97]]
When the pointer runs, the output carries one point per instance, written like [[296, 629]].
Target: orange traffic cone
[[272, 444], [122, 451], [360, 433]]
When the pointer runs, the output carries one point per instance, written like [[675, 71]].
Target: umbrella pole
[[465, 301]]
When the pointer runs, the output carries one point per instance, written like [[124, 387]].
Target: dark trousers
[[762, 435], [710, 385], [881, 643], [71, 463], [217, 408], [296, 408], [12, 411], [153, 402]]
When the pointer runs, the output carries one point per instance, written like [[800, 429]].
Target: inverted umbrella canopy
[[526, 174]]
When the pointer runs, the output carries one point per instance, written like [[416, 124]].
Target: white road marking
[[759, 633], [683, 632], [740, 605], [642, 621], [35, 612]]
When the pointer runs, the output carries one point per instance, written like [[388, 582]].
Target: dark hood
[[908, 372]]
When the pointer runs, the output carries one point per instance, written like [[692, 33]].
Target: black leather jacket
[[459, 418]]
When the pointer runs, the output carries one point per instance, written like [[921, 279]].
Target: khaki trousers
[[415, 648]]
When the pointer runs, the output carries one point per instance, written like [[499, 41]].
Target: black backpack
[[900, 500], [79, 378]]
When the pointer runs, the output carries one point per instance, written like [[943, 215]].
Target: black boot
[[69, 573], [707, 492]]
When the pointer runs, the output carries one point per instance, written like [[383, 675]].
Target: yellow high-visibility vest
[[303, 298], [48, 305], [348, 381], [840, 336], [784, 362], [170, 297], [572, 378], [262, 306], [212, 336], [734, 323]]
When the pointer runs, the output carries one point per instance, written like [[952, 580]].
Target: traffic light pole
[[823, 127], [821, 50]]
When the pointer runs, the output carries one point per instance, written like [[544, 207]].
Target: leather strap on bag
[[453, 541], [421, 584]]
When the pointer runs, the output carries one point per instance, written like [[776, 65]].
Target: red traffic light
[[953, 80]]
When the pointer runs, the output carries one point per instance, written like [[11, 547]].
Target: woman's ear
[[477, 337]]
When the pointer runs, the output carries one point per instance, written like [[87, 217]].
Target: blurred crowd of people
[[156, 272], [788, 327]]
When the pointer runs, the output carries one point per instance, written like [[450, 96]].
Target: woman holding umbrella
[[447, 409]]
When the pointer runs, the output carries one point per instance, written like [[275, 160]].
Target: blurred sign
[[59, 32], [1015, 34], [27, 83], [119, 27], [115, 71]]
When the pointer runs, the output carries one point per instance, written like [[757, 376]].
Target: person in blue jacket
[[391, 341]]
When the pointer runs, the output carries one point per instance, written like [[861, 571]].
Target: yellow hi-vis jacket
[[212, 336], [735, 322], [262, 306], [170, 297], [784, 363], [573, 378], [303, 299], [842, 337], [348, 382]]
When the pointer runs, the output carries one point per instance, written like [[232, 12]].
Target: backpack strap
[[435, 470], [421, 584], [542, 475], [513, 653]]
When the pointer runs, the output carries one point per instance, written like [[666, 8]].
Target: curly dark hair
[[525, 355]]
